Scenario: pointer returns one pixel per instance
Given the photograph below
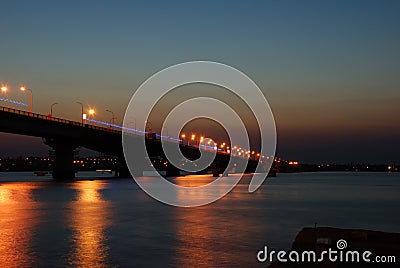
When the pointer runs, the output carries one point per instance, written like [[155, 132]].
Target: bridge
[[64, 136]]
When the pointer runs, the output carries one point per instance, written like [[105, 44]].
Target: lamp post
[[51, 109], [80, 103], [23, 89], [148, 128], [183, 136], [193, 139], [112, 119], [134, 121], [4, 89]]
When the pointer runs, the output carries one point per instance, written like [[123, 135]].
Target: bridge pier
[[122, 170], [63, 168], [63, 161], [202, 172], [172, 171]]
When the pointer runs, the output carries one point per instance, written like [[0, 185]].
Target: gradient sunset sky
[[329, 69]]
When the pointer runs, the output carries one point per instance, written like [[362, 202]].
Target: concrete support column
[[172, 171], [202, 172], [122, 170], [63, 168]]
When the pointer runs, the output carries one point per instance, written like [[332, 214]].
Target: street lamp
[[183, 137], [112, 119], [149, 129], [4, 89], [134, 121], [91, 111], [149, 126], [192, 138], [166, 131], [23, 89], [82, 117], [51, 109]]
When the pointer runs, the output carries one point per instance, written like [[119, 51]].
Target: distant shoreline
[[110, 163]]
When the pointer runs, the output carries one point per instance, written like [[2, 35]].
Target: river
[[112, 222]]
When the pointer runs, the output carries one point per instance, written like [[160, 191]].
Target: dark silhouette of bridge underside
[[64, 136]]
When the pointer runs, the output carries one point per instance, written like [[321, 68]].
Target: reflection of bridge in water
[[64, 136]]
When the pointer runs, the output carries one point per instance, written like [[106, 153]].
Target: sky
[[330, 70]]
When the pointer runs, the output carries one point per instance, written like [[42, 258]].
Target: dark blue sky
[[330, 69]]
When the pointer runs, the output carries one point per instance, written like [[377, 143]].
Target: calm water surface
[[113, 223]]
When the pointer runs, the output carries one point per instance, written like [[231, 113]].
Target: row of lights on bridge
[[223, 146]]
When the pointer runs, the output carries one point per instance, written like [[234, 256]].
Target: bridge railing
[[55, 119]]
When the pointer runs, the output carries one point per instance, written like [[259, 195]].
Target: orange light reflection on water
[[19, 217], [90, 216]]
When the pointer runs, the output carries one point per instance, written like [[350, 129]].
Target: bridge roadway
[[64, 136]]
